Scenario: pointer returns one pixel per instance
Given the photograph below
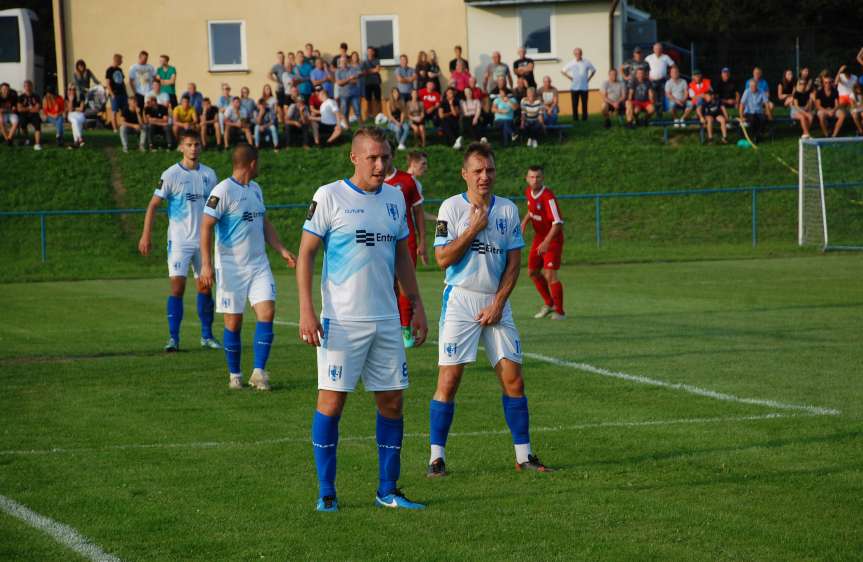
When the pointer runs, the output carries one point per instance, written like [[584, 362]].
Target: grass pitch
[[153, 458]]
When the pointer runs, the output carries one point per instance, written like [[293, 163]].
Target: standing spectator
[[8, 113], [434, 69], [579, 71], [196, 98], [141, 77], [29, 107], [82, 77], [348, 80], [371, 72], [185, 117], [801, 107], [640, 98], [115, 83], [845, 82], [223, 103], [343, 52], [460, 78], [726, 90], [457, 52], [613, 93], [630, 66], [55, 113], [448, 113], [302, 76], [329, 127], [133, 121], [504, 112], [239, 118], [785, 88], [309, 54], [827, 105], [857, 110], [710, 110], [697, 87], [763, 87], [75, 104], [266, 120], [405, 77], [156, 120], [523, 68], [356, 86], [753, 107], [422, 68], [495, 71], [471, 112], [550, 101], [209, 121], [320, 76], [277, 73], [658, 64], [397, 118], [676, 94], [298, 122], [417, 115], [431, 99], [531, 118], [168, 75]]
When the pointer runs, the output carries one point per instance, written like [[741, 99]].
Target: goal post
[[830, 193]]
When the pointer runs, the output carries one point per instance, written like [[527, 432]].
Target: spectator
[[726, 90], [785, 88], [658, 64], [697, 87], [357, 87], [287, 83], [405, 77], [676, 94], [448, 113], [82, 77], [209, 122], [371, 72], [431, 99], [302, 75], [550, 101], [223, 104], [168, 75], [269, 99], [115, 83], [196, 98], [471, 112], [185, 117], [417, 117], [827, 105], [422, 68], [460, 78], [298, 122], [454, 62], [248, 104], [397, 118], [348, 81], [753, 107], [133, 122], [329, 126], [805, 75], [277, 74], [55, 113], [504, 111], [434, 69], [579, 71], [495, 71], [343, 52], [763, 87], [857, 109], [630, 66], [294, 95], [309, 54], [75, 104], [162, 98], [520, 90], [613, 93], [498, 87], [801, 107], [845, 82], [238, 118], [531, 118], [710, 109], [141, 77], [29, 106], [8, 113], [320, 76], [156, 120], [640, 98], [266, 121], [483, 98], [523, 68]]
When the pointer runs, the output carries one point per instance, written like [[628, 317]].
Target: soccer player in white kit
[[242, 271], [361, 224], [478, 240], [185, 186]]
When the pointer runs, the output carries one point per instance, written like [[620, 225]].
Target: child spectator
[[710, 109]]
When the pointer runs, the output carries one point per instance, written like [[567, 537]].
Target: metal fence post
[[598, 218], [44, 237], [754, 218]]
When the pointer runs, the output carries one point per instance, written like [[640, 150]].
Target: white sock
[[437, 452], [522, 452], [236, 375]]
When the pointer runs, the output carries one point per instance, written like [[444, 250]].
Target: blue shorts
[[119, 103]]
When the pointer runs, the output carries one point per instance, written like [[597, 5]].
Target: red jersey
[[408, 186], [543, 212], [429, 99]]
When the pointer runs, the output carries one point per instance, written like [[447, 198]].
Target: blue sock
[[389, 434], [175, 316], [263, 342], [233, 349], [325, 439], [517, 418], [205, 313], [441, 414]]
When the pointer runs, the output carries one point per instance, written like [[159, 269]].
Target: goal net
[[830, 193]]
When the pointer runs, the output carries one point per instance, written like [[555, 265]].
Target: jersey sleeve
[[319, 216], [217, 202], [515, 240], [416, 196], [444, 232], [552, 211], [419, 189], [165, 185]]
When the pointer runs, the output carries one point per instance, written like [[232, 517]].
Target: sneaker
[[437, 469], [535, 143], [558, 316], [457, 145], [544, 311], [724, 140], [235, 382], [529, 143], [805, 137], [327, 504], [533, 464], [260, 380], [37, 147], [484, 140], [402, 146], [172, 346], [408, 337], [396, 500], [210, 343], [125, 151]]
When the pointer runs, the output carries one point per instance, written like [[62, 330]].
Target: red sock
[[542, 289], [405, 310], [557, 295]]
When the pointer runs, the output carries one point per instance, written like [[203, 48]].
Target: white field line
[[63, 534], [307, 438], [691, 389]]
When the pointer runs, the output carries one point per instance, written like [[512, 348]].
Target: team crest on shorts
[[501, 226], [450, 349], [335, 372], [404, 371], [393, 211]]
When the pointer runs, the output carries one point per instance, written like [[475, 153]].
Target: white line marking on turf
[[691, 389], [280, 440], [63, 534]]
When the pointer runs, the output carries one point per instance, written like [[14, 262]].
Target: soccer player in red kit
[[545, 252], [416, 239]]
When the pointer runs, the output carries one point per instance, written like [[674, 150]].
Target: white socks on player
[[522, 452], [437, 452]]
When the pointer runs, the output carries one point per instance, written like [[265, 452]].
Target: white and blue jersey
[[239, 210], [360, 231], [482, 265], [185, 191]]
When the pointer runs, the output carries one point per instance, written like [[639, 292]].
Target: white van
[[19, 60]]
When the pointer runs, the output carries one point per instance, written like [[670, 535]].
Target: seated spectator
[[523, 68], [471, 112], [75, 105], [298, 122], [320, 76], [431, 99], [266, 121], [55, 113], [676, 94], [83, 78], [223, 104], [327, 117], [397, 118], [532, 123], [238, 118], [185, 117], [405, 77], [613, 93], [29, 107], [710, 109], [270, 100], [640, 98], [417, 116], [497, 87], [156, 120], [8, 113], [785, 88], [504, 111], [801, 107], [161, 97], [453, 63], [348, 82], [845, 82], [294, 95], [448, 113], [806, 75], [520, 90], [247, 103], [550, 101], [697, 87], [208, 122], [726, 90], [827, 106], [753, 109], [460, 78], [133, 122], [763, 87], [167, 75], [857, 109], [196, 98]]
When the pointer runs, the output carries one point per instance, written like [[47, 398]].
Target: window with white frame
[[227, 45], [382, 33], [536, 31]]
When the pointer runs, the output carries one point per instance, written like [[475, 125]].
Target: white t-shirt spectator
[[330, 112], [676, 90], [614, 91], [579, 70], [846, 86], [141, 76], [658, 66]]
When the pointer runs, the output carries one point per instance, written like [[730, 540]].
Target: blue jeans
[[505, 126], [401, 131], [550, 118], [274, 134], [58, 123], [346, 102]]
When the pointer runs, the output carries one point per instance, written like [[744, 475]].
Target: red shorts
[[548, 260], [641, 105]]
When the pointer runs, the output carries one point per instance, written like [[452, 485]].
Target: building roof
[[521, 2]]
